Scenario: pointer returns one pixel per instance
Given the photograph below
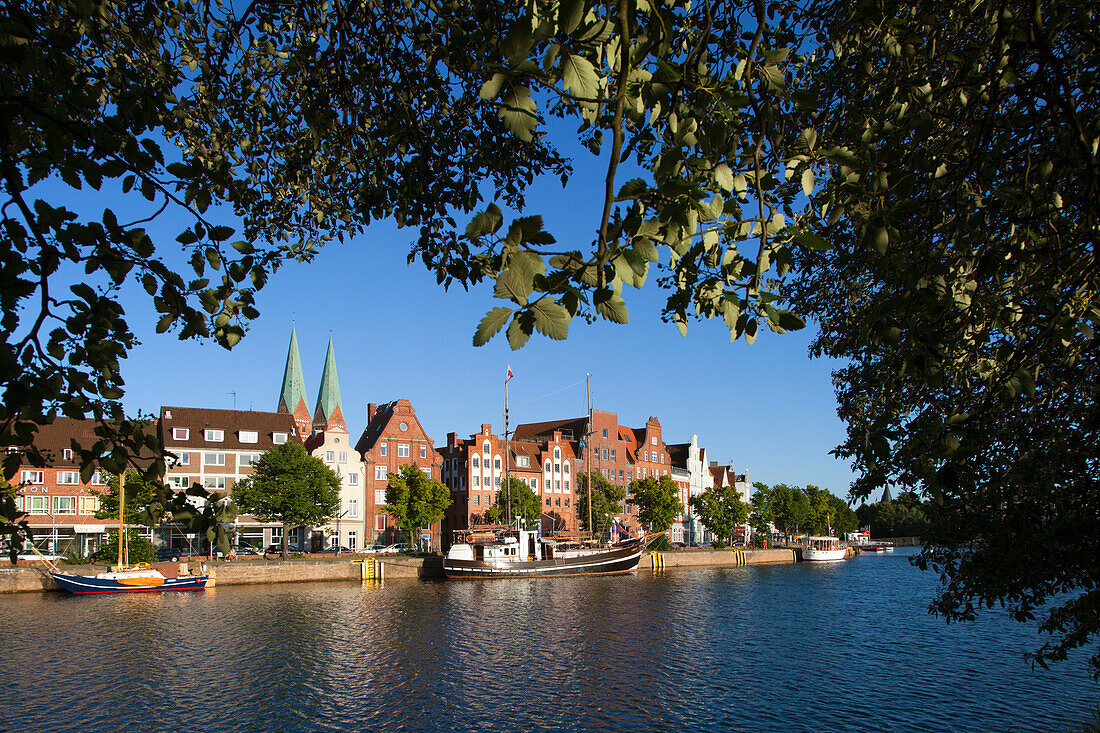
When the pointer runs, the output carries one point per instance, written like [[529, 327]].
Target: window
[[557, 468], [382, 449], [567, 488], [475, 463], [612, 454], [67, 454], [496, 463], [605, 454], [557, 485], [330, 456], [214, 436], [646, 455], [379, 522], [64, 505], [496, 481], [427, 470], [477, 500], [567, 500], [402, 450], [353, 479], [33, 477], [183, 459], [654, 439], [534, 483], [213, 459], [557, 501], [523, 462], [249, 459], [605, 432], [181, 433], [379, 473], [379, 496], [178, 483], [565, 468], [557, 453], [352, 539], [629, 473], [353, 508], [485, 447], [548, 501], [68, 477], [548, 465], [38, 504], [248, 436], [216, 483], [89, 504], [620, 474], [343, 456], [278, 438], [423, 451]]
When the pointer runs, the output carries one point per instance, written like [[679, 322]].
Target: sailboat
[[126, 578]]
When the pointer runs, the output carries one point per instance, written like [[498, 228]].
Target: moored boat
[[136, 579], [822, 548], [511, 553]]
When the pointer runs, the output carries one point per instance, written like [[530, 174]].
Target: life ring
[[142, 566], [468, 538]]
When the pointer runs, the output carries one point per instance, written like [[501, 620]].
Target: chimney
[[486, 428], [371, 407], [451, 440]]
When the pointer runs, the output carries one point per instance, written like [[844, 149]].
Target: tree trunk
[[286, 532]]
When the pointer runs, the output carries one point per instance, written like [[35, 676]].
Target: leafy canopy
[[415, 500], [658, 502], [607, 501], [720, 509], [289, 486], [517, 500]]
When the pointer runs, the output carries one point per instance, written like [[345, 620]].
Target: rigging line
[[548, 394]]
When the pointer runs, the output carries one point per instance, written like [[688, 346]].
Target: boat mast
[[588, 437], [507, 448], [121, 510]]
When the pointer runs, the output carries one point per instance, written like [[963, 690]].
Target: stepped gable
[[292, 397], [328, 414]]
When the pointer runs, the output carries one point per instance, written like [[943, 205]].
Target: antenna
[[234, 393]]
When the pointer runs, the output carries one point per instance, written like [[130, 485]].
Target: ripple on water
[[792, 647]]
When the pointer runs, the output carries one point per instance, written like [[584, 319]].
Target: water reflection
[[786, 647]]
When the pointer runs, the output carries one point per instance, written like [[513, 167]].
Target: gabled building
[[393, 438], [726, 476], [691, 460], [330, 441]]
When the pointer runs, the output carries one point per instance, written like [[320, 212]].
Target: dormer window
[[278, 438], [67, 454], [249, 436], [213, 436], [181, 433]]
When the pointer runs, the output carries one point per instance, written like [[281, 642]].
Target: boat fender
[[203, 568]]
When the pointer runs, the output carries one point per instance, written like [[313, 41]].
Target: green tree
[[209, 515], [721, 510], [841, 517], [138, 548], [607, 501], [658, 502], [415, 500], [289, 486], [519, 500], [790, 508], [145, 500], [760, 516]]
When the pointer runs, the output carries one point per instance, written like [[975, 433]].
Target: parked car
[[386, 549], [169, 554], [242, 551], [29, 554]]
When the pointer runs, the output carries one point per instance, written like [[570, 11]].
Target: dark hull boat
[[128, 581], [621, 558]]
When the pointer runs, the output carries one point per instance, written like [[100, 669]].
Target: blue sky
[[767, 407]]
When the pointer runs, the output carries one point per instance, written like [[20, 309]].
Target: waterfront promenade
[[27, 579]]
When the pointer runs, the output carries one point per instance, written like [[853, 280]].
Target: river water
[[844, 646]]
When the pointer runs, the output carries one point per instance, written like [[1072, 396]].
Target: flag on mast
[[510, 375]]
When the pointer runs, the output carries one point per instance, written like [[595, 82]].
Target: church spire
[[292, 398], [328, 413]]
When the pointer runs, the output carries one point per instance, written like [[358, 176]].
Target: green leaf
[[485, 222], [513, 285], [551, 318], [808, 182], [612, 307], [518, 332], [493, 321], [578, 76], [517, 110], [631, 189], [492, 86]]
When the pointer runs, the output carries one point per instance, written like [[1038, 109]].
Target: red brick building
[[393, 438], [60, 507]]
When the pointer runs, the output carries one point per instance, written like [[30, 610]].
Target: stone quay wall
[[27, 579]]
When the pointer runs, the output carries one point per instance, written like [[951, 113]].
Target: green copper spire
[[293, 395], [328, 412]]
